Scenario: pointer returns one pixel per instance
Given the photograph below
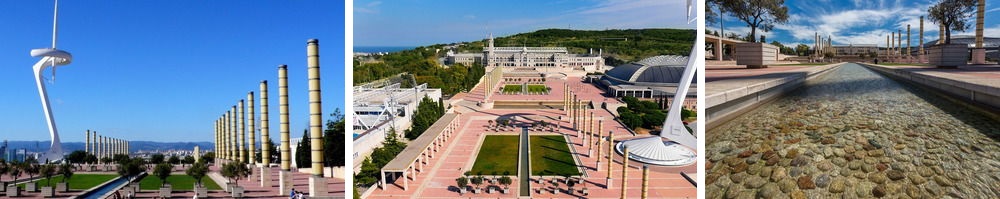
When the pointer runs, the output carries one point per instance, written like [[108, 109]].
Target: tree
[[333, 140], [162, 171], [31, 168], [235, 171], [197, 171], [802, 50], [478, 180], [47, 171], [303, 158], [131, 167], [274, 152], [174, 160], [462, 182], [77, 156], [66, 170], [210, 156], [757, 14], [15, 170], [188, 160], [4, 167], [506, 181], [156, 158], [952, 14], [90, 159]]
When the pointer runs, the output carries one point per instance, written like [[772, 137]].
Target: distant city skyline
[[163, 70], [420, 23], [857, 22]]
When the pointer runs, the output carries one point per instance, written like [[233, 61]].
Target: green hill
[[620, 46]]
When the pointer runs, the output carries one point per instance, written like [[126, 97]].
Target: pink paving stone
[[715, 73], [300, 181], [458, 154]]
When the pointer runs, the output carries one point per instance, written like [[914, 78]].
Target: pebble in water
[[854, 133]]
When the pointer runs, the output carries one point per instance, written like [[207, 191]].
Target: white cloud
[[370, 7]]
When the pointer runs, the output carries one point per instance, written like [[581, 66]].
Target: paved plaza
[[459, 154]]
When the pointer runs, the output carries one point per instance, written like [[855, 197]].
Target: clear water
[[855, 133], [97, 193], [525, 168]]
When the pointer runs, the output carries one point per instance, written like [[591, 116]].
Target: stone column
[[576, 113], [241, 125], [251, 120], [892, 45], [899, 42], [979, 53], [86, 147], [227, 137], [265, 153], [920, 50], [624, 171], [317, 184], [611, 141], [718, 49], [197, 154], [888, 47], [93, 145], [908, 54], [285, 175], [645, 181], [237, 139]]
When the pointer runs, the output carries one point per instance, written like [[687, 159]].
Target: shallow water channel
[[855, 133]]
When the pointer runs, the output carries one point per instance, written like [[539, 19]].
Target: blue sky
[[415, 22], [162, 70], [859, 21]]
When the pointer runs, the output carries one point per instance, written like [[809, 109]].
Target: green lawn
[[498, 154], [179, 182], [78, 181], [550, 155], [511, 88], [537, 88]]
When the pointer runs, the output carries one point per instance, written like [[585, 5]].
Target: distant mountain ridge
[[39, 146]]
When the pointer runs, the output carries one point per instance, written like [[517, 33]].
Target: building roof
[[417, 146], [656, 70]]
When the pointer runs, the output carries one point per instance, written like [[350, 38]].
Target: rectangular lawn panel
[[497, 155], [78, 181], [512, 88], [550, 155], [178, 182], [537, 88]]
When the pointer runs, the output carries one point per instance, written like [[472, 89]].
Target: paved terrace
[[459, 153], [978, 83]]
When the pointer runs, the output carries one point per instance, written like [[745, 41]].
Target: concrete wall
[[978, 93], [948, 55], [756, 55], [723, 106]]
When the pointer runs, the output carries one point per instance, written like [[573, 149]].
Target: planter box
[[505, 191], [165, 192], [48, 192], [62, 187], [201, 191], [237, 192], [31, 187], [948, 55], [13, 191], [756, 55]]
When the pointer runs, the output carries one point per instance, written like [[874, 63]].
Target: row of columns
[[425, 155], [105, 147], [231, 129]]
